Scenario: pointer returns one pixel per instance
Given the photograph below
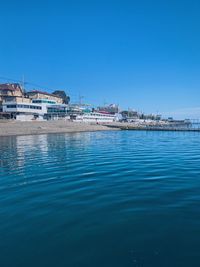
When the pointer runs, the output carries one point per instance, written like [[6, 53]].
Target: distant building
[[44, 95], [112, 109], [150, 117], [62, 94], [129, 115], [78, 109], [84, 113]]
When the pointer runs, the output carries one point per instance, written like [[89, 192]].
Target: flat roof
[[43, 93]]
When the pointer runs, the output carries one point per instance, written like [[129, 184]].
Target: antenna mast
[[80, 99], [23, 83]]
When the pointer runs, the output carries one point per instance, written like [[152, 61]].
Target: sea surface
[[101, 199]]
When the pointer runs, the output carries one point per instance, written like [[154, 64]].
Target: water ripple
[[107, 192]]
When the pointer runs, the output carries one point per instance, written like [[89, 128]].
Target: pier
[[172, 129], [193, 126]]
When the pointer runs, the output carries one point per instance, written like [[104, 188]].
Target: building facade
[[44, 95], [9, 91], [23, 111], [37, 109], [34, 105]]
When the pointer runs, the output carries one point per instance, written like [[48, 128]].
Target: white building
[[38, 109], [23, 111], [95, 117]]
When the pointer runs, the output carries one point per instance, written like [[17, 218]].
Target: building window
[[11, 106]]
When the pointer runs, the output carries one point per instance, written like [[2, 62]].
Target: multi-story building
[[23, 111], [83, 113], [44, 95], [40, 109], [10, 91], [16, 104]]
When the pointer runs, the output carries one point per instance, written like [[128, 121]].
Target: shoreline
[[18, 128]]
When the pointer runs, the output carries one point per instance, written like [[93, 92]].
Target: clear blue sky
[[139, 54]]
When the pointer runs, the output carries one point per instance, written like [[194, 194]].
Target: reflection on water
[[100, 199], [16, 150]]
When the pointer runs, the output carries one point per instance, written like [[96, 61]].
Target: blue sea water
[[101, 199]]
